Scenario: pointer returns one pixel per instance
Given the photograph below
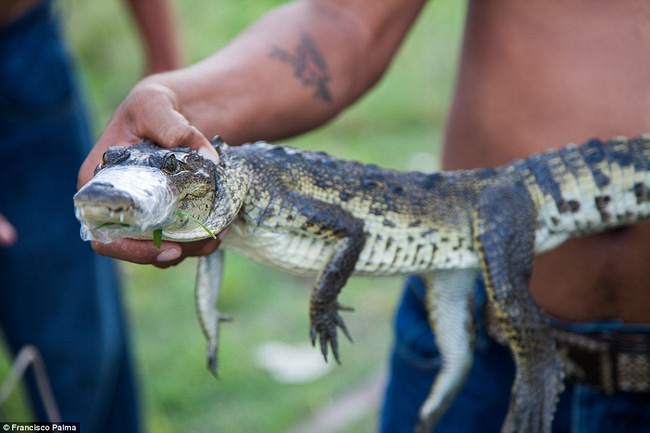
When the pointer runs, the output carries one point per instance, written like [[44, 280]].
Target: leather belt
[[610, 361]]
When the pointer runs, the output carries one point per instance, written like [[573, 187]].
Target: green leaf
[[157, 238], [184, 215]]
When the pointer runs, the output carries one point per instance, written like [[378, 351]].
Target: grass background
[[398, 125]]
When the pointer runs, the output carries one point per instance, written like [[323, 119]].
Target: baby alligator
[[310, 213]]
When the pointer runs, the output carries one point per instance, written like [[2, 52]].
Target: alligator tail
[[589, 188]]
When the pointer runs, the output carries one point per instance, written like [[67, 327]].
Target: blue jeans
[[55, 293], [482, 404]]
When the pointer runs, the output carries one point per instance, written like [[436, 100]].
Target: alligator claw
[[325, 320], [424, 426], [212, 357], [344, 328], [533, 400], [213, 344]]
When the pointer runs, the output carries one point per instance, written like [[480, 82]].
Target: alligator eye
[[114, 155], [170, 164]]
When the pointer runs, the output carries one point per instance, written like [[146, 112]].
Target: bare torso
[[541, 74]]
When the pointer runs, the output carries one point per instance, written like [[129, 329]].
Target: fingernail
[[168, 255], [208, 152]]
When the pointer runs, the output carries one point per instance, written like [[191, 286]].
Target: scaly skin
[[310, 213]]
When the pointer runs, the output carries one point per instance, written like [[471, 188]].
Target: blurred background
[[397, 125]]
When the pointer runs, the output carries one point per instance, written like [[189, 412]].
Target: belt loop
[[607, 371]]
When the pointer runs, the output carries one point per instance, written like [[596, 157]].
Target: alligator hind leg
[[208, 286], [505, 234], [451, 321]]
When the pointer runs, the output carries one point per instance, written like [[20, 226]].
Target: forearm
[[158, 30], [293, 70]]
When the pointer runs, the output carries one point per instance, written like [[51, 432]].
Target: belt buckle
[[608, 361], [631, 353]]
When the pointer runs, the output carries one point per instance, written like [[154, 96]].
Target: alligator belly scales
[[310, 213]]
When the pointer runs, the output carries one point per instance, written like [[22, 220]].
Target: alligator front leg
[[504, 232], [337, 226], [450, 317]]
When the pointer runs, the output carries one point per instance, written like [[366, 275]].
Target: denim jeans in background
[[55, 293], [482, 405]]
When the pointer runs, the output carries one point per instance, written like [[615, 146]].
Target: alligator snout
[[104, 195], [125, 201], [101, 203]]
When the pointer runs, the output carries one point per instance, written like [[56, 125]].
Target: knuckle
[[176, 135]]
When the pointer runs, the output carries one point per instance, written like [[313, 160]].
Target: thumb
[[150, 111], [156, 114]]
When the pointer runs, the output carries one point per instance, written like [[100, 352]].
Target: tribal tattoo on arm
[[309, 66]]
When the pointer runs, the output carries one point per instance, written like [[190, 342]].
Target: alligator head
[[144, 188]]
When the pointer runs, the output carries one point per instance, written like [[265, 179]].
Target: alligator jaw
[[120, 203], [102, 203]]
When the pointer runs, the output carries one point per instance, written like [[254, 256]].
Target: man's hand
[[150, 111]]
